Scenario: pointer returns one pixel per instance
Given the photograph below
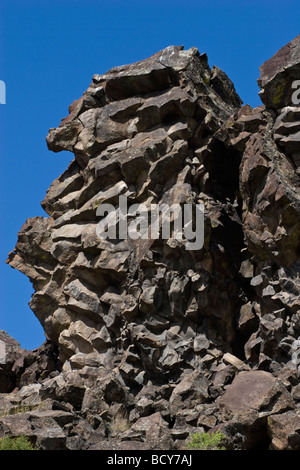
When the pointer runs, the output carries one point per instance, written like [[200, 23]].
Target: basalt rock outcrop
[[147, 340]]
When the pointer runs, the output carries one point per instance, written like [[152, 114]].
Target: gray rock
[[146, 338]]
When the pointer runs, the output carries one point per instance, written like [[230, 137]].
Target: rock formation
[[148, 341]]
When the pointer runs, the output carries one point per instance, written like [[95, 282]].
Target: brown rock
[[144, 324], [284, 431], [255, 391], [151, 430], [277, 75], [192, 390]]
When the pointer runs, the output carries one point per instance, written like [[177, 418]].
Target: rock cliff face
[[148, 340]]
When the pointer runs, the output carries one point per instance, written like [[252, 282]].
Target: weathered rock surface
[[19, 367], [148, 340]]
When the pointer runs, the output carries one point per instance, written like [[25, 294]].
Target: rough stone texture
[[19, 367], [9, 349], [148, 341], [102, 302], [277, 75], [255, 390], [284, 430]]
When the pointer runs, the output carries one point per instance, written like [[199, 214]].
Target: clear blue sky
[[49, 52]]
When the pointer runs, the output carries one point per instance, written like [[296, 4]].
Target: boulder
[[152, 430], [284, 431], [277, 75], [257, 391]]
